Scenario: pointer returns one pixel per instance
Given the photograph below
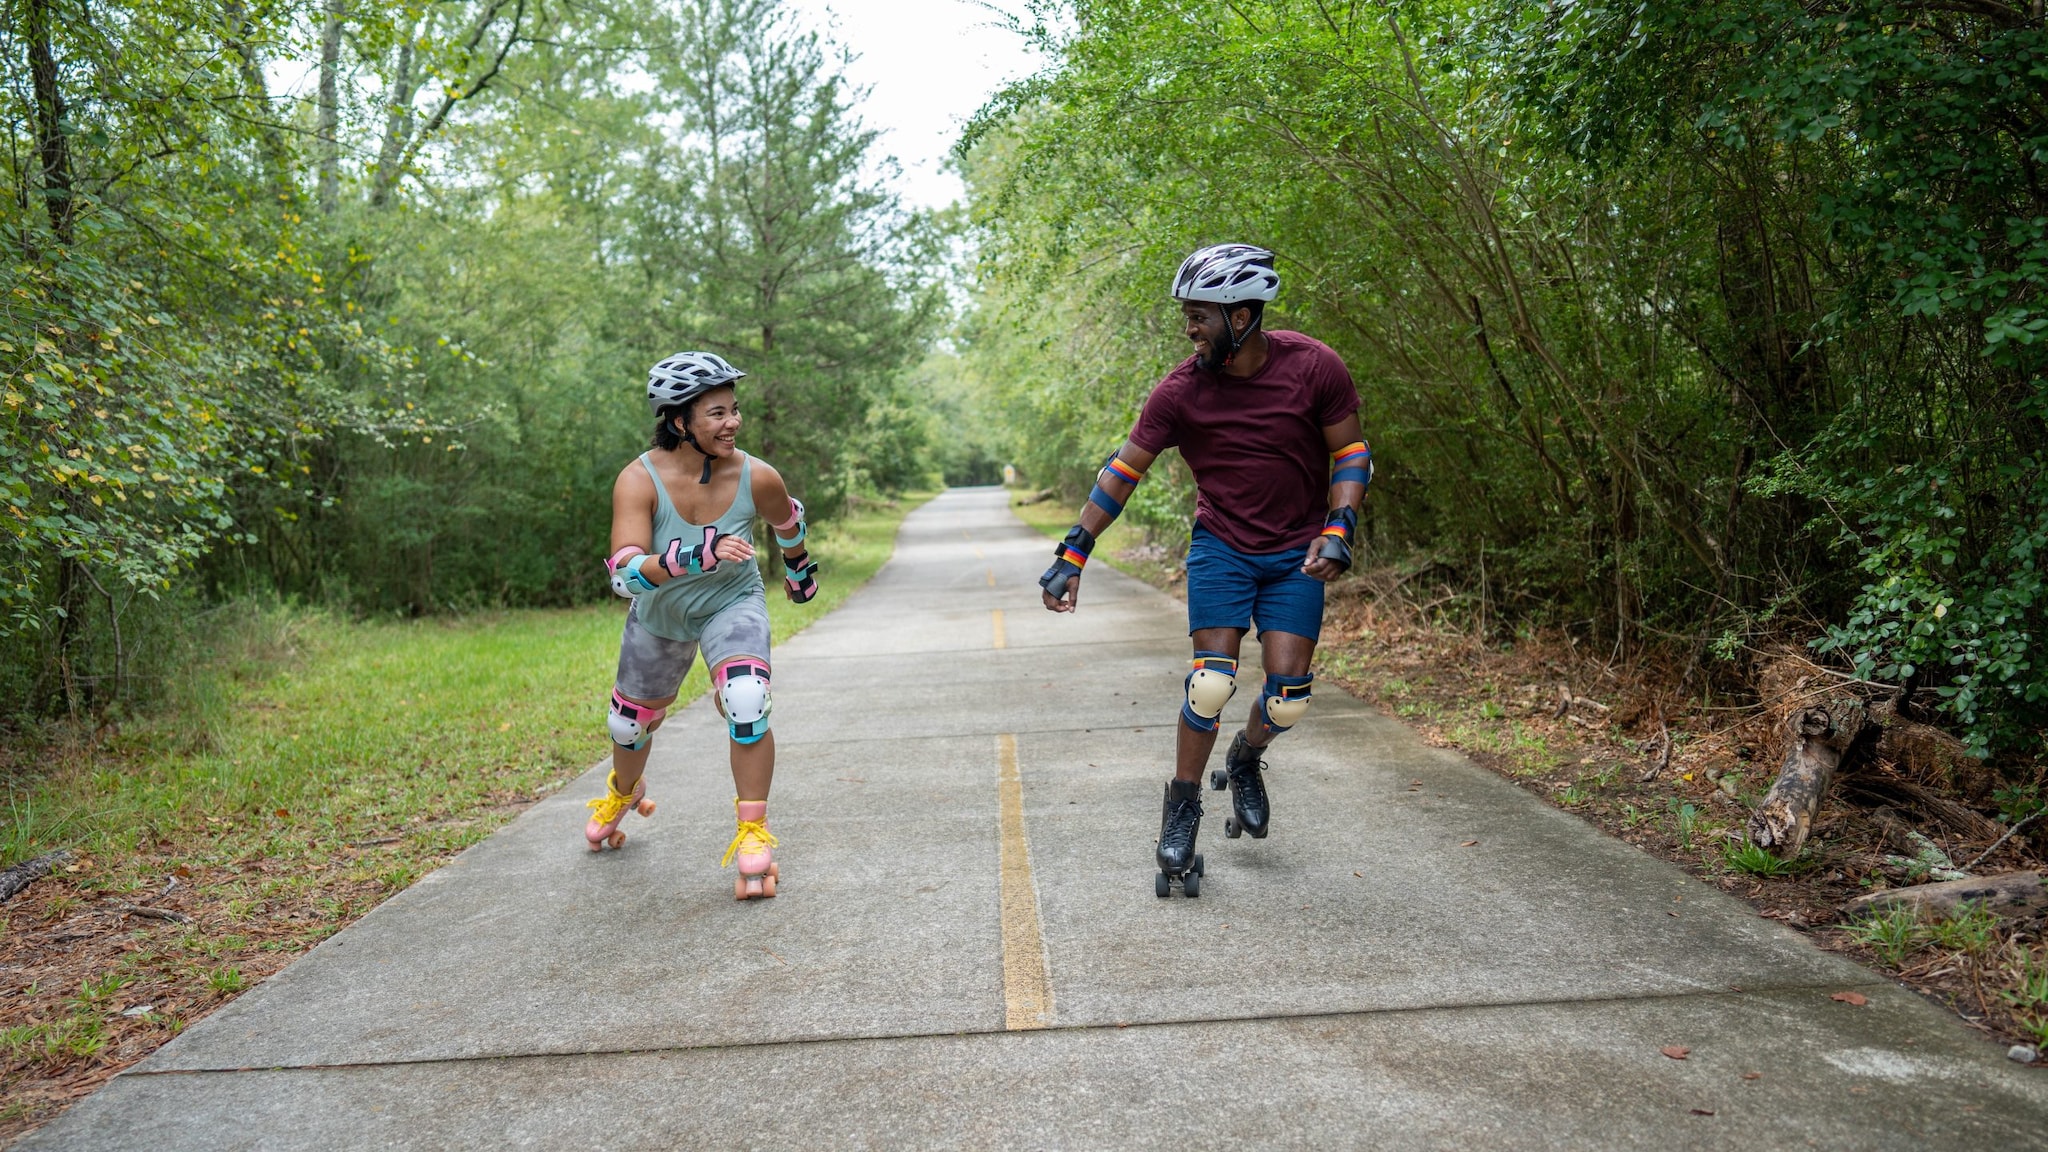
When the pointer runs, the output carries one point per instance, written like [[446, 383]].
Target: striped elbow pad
[[1100, 497], [1352, 464]]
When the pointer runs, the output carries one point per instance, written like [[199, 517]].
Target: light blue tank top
[[679, 608]]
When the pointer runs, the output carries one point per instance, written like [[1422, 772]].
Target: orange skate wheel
[[774, 870], [768, 885], [646, 808], [616, 839], [739, 887], [596, 845]]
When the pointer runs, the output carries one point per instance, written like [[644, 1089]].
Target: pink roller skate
[[607, 811], [751, 842]]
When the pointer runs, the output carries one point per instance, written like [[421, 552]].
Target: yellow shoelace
[[748, 830], [606, 808]]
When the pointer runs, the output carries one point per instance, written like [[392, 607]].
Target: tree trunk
[[397, 126], [1820, 737], [52, 145], [329, 128]]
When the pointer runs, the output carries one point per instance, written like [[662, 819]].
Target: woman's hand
[[734, 548]]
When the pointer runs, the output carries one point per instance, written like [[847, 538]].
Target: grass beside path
[[1123, 546], [325, 766]]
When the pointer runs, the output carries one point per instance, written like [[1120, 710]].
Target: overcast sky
[[928, 65]]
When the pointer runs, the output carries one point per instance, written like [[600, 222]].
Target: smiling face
[[1203, 324], [714, 420]]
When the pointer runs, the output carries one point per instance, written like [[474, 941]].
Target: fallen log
[[2009, 894], [28, 872], [1821, 736], [1951, 816]]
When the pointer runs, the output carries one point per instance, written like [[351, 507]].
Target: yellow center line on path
[[1027, 992], [1001, 641], [978, 555], [991, 577]]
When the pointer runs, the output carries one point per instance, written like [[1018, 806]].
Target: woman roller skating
[[682, 551]]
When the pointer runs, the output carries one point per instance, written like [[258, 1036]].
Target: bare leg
[[1192, 748], [753, 767]]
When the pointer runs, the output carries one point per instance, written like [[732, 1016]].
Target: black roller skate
[[1179, 821], [1241, 771]]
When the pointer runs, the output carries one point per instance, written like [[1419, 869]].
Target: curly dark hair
[[666, 437]]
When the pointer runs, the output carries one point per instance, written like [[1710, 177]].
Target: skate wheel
[[1230, 829], [1191, 884], [1197, 869], [1161, 886], [645, 808], [1217, 779], [768, 886], [616, 839], [739, 887], [596, 845], [774, 870]]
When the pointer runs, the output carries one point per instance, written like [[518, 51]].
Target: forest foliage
[[1679, 325], [352, 300]]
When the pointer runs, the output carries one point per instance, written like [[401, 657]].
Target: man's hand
[[1070, 595], [1321, 567]]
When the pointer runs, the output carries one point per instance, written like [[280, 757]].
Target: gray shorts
[[652, 667]]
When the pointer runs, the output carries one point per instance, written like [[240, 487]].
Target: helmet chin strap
[[690, 438], [1230, 334]]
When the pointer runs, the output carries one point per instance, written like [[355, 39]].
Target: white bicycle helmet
[[1227, 274], [686, 376]]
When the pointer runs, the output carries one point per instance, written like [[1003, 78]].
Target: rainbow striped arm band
[[1353, 464], [1100, 496]]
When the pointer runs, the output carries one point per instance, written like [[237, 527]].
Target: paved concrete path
[[967, 951]]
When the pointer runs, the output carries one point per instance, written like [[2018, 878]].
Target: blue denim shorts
[[1232, 589]]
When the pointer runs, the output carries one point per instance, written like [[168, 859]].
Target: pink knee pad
[[630, 723], [742, 686]]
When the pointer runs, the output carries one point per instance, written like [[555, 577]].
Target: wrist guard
[[800, 577], [695, 560], [623, 567], [1068, 558], [1336, 537], [792, 531]]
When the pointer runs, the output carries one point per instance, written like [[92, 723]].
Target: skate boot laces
[[606, 809], [1247, 780], [748, 840], [1180, 822]]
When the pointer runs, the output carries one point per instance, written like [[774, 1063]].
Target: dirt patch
[[1679, 780]]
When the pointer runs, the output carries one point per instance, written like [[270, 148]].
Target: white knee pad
[[1284, 701], [1210, 685], [631, 723], [743, 697]]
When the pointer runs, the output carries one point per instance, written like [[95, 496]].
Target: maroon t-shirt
[[1262, 467]]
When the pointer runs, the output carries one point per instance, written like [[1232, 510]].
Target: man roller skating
[[1268, 423]]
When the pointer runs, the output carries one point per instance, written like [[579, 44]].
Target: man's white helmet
[[1227, 274], [685, 376]]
